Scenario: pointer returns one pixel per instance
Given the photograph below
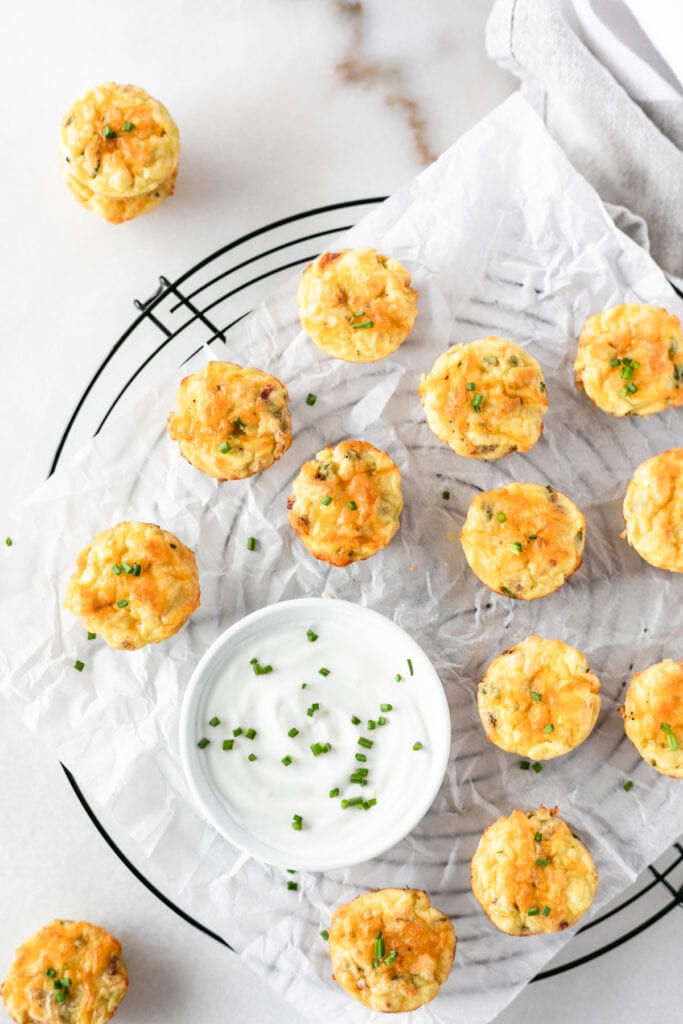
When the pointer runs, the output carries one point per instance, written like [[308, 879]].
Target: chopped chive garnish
[[324, 934], [286, 760], [60, 996], [122, 603], [360, 773], [239, 423], [108, 132], [9, 542], [525, 765], [292, 886], [476, 402], [367, 804], [352, 505], [545, 911], [398, 678], [381, 720], [538, 837], [372, 724], [532, 911], [214, 721], [126, 568], [410, 666], [390, 957], [631, 388], [327, 500], [79, 666], [363, 741], [238, 731], [250, 734], [345, 803], [225, 448], [311, 399], [542, 862], [334, 792], [228, 744], [316, 706], [364, 325], [323, 671], [304, 685], [628, 786], [51, 972], [252, 757], [361, 757], [355, 720], [386, 707], [316, 749], [204, 742], [445, 495], [359, 779], [354, 801], [532, 536], [515, 546], [378, 949], [251, 544], [673, 742], [471, 386], [136, 570], [417, 746], [297, 823], [501, 517], [614, 362], [627, 372], [293, 732], [537, 767], [117, 569], [549, 728], [57, 984], [312, 636], [128, 126], [259, 669], [535, 695]]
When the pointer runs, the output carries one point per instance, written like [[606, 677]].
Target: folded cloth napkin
[[618, 117]]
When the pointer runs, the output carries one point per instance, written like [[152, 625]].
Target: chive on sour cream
[[314, 734]]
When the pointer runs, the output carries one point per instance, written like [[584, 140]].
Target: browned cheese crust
[[231, 421], [531, 874], [653, 510], [630, 360], [356, 304], [523, 540], [346, 503], [418, 943], [653, 716], [130, 609], [485, 399], [87, 976], [538, 699]]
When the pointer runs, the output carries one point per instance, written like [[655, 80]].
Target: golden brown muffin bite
[[485, 399], [653, 716], [346, 503], [69, 972], [119, 150], [135, 584], [630, 360], [538, 699], [531, 874], [116, 211], [523, 540], [391, 949], [231, 421], [653, 510], [356, 304]]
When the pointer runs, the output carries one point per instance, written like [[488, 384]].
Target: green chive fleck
[[292, 886], [324, 671], [532, 911], [286, 760], [627, 372], [361, 757], [363, 741], [355, 720], [397, 678], [471, 386], [673, 742], [51, 972], [225, 448], [214, 721], [311, 399], [204, 742], [381, 720], [117, 570], [228, 744], [548, 729], [614, 362], [390, 957], [259, 669], [250, 734], [542, 862], [515, 546], [238, 731], [537, 767], [545, 911], [239, 423], [324, 934], [8, 542], [410, 666], [386, 707], [352, 505], [445, 495], [312, 636], [293, 732], [532, 536], [127, 126], [476, 402], [60, 996], [535, 695], [251, 544], [122, 603], [372, 724], [417, 746], [538, 837], [334, 792], [252, 757], [631, 388], [79, 666], [628, 786], [364, 326], [327, 500], [297, 822], [525, 765], [501, 517], [108, 132]]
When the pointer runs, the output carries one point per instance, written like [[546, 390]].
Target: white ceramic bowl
[[252, 802]]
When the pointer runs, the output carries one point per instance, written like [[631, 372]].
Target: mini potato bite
[[653, 510], [531, 874], [346, 503], [356, 304], [653, 716], [630, 360], [523, 540], [119, 150], [69, 972], [231, 421], [135, 584], [485, 399], [539, 699], [391, 949]]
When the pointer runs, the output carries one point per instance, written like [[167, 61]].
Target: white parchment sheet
[[502, 237]]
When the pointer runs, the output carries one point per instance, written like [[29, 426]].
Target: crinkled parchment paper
[[502, 237]]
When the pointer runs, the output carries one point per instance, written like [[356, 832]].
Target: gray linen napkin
[[629, 159]]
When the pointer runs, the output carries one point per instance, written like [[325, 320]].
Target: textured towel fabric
[[630, 158]]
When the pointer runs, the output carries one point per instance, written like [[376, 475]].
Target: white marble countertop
[[283, 105]]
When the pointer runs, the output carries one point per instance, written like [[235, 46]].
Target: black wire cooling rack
[[200, 308]]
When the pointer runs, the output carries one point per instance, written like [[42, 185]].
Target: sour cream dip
[[304, 699]]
